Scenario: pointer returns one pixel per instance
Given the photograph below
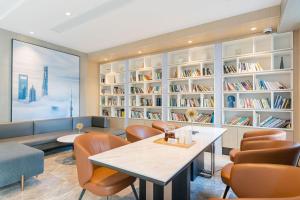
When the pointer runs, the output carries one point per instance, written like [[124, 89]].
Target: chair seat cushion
[[225, 173], [233, 153], [106, 182]]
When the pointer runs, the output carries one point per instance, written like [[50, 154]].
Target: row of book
[[206, 71], [105, 113], [244, 67], [145, 77], [274, 122], [120, 113], [137, 114], [153, 115], [263, 103], [111, 102], [190, 73], [136, 90], [201, 118], [241, 121], [118, 90], [146, 102], [270, 85], [197, 102], [282, 102], [179, 88], [153, 89], [229, 69], [238, 86], [201, 88], [158, 75]]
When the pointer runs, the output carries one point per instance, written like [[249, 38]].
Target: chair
[[258, 135], [162, 126], [263, 151], [135, 133], [265, 182], [100, 181]]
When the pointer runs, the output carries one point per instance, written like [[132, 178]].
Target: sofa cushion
[[18, 129], [101, 122], [52, 125], [86, 121], [17, 160], [34, 140]]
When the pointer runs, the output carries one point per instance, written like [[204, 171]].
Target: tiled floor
[[59, 182]]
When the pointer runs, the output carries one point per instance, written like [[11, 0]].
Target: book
[[275, 122], [263, 103], [282, 102], [238, 85], [241, 121], [270, 85], [153, 115]]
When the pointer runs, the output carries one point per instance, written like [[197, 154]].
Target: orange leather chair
[[265, 182], [258, 135], [135, 133], [263, 151], [162, 126], [100, 181]]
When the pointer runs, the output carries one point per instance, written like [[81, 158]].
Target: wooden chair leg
[[226, 191], [82, 193], [134, 192]]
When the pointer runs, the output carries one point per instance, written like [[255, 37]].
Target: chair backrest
[[162, 126], [90, 144], [267, 134], [269, 151], [265, 181], [135, 133]]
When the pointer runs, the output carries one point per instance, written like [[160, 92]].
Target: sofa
[[43, 134]]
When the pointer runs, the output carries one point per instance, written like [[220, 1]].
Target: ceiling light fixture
[[253, 29], [68, 14], [31, 32], [140, 52], [190, 41], [105, 59]]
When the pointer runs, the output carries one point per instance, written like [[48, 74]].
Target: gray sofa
[[43, 134]]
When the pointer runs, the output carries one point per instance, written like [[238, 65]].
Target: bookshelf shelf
[[258, 82]]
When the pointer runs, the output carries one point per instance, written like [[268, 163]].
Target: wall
[[297, 85], [87, 86]]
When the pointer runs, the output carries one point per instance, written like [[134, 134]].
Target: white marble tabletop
[[68, 138], [154, 162]]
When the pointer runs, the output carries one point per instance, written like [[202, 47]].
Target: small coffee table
[[69, 139]]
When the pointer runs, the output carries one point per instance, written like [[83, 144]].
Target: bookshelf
[[257, 89], [145, 93], [191, 84], [112, 91], [258, 82]]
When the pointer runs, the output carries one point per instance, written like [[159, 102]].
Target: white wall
[[88, 76]]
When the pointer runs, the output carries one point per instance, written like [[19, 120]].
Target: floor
[[59, 182]]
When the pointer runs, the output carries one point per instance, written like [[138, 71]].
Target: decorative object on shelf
[[79, 127], [192, 115], [231, 101], [281, 63]]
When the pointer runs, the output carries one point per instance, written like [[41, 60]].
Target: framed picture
[[45, 83]]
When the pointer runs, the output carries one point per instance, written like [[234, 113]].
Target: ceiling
[[96, 25]]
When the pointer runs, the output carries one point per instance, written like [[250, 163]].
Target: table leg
[[181, 185], [212, 164], [158, 192], [142, 190]]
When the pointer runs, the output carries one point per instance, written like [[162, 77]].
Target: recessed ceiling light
[[67, 13], [140, 52], [31, 32], [190, 41], [105, 59], [253, 29]]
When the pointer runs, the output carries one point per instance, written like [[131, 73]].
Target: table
[[158, 163], [69, 139]]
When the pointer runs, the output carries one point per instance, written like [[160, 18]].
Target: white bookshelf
[[267, 51], [191, 84], [112, 91], [145, 87]]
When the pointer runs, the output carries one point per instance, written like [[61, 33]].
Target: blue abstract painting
[[45, 83]]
